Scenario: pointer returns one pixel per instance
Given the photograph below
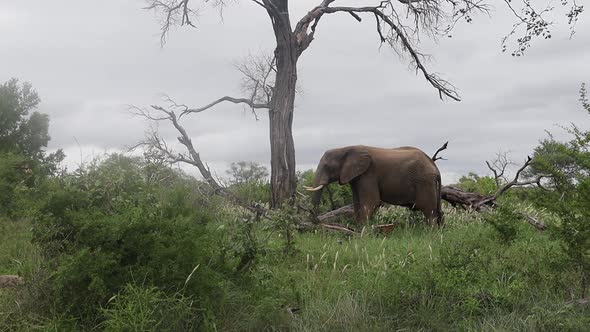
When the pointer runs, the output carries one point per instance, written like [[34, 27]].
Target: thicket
[[131, 244]]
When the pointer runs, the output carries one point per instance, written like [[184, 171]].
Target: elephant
[[403, 176]]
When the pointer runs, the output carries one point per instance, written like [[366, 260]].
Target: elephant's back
[[405, 157]]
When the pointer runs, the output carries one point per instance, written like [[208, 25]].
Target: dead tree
[[398, 23], [191, 156], [498, 167], [477, 202]]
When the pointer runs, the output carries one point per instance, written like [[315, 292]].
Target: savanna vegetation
[[129, 243]]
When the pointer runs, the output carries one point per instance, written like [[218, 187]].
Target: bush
[[98, 240], [252, 191], [568, 166], [505, 221], [14, 178], [472, 182], [93, 254], [249, 181]]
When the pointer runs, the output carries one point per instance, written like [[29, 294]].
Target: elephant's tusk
[[312, 188]]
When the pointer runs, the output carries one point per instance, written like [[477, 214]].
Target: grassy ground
[[464, 277], [17, 256]]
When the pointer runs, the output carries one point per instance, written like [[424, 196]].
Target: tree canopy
[[22, 130]]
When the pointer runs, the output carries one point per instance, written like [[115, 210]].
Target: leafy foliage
[[249, 181], [244, 171], [107, 227], [22, 131], [505, 220], [13, 177], [472, 182], [568, 165], [23, 137]]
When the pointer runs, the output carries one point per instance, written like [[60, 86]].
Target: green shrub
[[567, 168], [472, 182], [14, 178], [254, 191], [92, 255], [505, 220], [249, 181], [96, 240]]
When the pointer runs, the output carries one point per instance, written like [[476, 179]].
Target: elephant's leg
[[366, 199], [426, 201], [429, 216], [356, 204]]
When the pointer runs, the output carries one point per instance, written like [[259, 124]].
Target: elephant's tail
[[439, 212]]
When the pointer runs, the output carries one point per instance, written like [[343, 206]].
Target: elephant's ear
[[356, 161]]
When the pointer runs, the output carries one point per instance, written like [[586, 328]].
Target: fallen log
[[538, 224], [307, 226], [453, 195], [344, 211], [341, 228], [385, 229], [467, 200], [580, 302]]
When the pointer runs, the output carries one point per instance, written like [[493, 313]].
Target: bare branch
[[154, 141], [515, 182], [246, 101], [258, 77], [260, 4], [180, 12], [173, 12], [426, 15], [498, 167], [443, 147], [399, 35]]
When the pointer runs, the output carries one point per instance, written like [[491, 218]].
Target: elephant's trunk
[[319, 183], [316, 198]]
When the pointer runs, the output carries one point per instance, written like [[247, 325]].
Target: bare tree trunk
[[283, 180], [282, 148]]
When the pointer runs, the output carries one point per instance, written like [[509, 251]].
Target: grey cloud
[[89, 61]]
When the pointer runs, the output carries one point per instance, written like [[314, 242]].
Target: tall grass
[[18, 256], [463, 277]]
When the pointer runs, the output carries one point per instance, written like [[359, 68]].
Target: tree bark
[[467, 200], [283, 179]]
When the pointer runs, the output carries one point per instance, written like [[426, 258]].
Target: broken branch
[[443, 147], [193, 158]]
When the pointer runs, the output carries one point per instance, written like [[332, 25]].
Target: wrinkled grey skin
[[403, 176]]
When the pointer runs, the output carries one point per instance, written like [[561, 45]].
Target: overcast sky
[[88, 60]]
